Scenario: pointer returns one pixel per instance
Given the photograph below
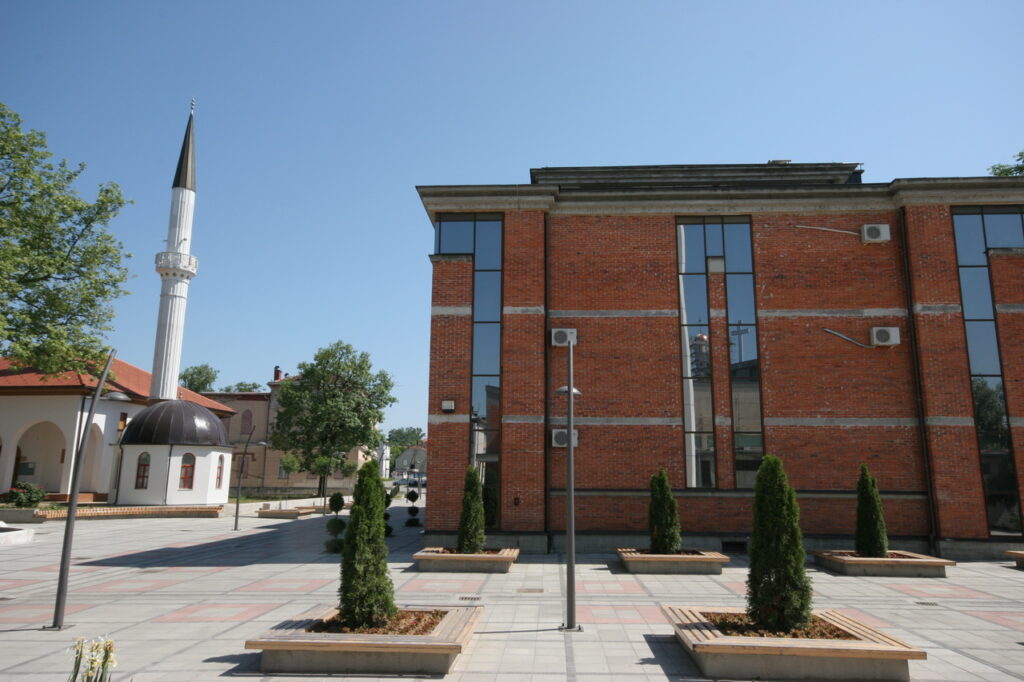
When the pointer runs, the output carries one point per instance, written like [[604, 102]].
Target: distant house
[[41, 418], [411, 463]]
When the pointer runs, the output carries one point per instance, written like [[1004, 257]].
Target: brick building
[[722, 312]]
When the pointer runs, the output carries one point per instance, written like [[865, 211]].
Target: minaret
[[176, 268]]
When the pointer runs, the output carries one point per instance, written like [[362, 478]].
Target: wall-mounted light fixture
[[447, 405]]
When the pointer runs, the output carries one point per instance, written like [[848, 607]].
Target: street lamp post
[[76, 471], [570, 501], [238, 481]]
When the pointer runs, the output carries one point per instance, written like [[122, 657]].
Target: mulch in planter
[[405, 623], [850, 552], [682, 552], [455, 550], [738, 624]]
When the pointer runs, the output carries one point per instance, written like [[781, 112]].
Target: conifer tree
[[778, 590], [471, 523], [871, 539], [663, 516], [367, 593]]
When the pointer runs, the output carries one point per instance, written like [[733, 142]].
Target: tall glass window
[[726, 238], [481, 236], [978, 229]]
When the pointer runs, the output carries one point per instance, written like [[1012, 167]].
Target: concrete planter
[[692, 562], [873, 655], [435, 559], [1018, 556], [290, 649], [904, 565], [20, 515]]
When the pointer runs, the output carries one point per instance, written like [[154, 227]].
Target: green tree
[[242, 387], [1005, 169], [663, 516], [405, 437], [332, 407], [198, 378], [367, 595], [471, 522], [60, 268], [871, 538], [778, 590]]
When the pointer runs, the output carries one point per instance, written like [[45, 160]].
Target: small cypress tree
[[663, 516], [778, 590], [367, 593], [471, 523], [871, 538], [337, 503]]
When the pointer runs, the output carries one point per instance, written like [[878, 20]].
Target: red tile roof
[[124, 377]]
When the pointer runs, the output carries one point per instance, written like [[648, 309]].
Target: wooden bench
[[290, 648], [873, 655], [1018, 555], [906, 565], [292, 513]]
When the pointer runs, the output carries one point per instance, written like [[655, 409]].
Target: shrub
[[471, 522], [412, 521], [24, 494], [663, 516], [871, 538], [337, 502], [412, 496], [367, 593], [388, 530], [778, 590], [413, 511]]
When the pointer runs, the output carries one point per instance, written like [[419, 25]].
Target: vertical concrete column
[[945, 376], [1006, 268], [523, 349], [451, 354], [720, 392]]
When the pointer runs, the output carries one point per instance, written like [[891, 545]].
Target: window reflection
[[696, 351], [970, 241], [694, 290], [990, 414], [737, 248], [691, 249], [976, 293], [746, 405], [487, 296], [739, 294], [1003, 230], [982, 349], [455, 236], [486, 348], [748, 450], [488, 245], [743, 351], [697, 411], [700, 460], [713, 237], [485, 399]]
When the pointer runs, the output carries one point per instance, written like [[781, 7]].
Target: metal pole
[[238, 482], [69, 525], [570, 503]]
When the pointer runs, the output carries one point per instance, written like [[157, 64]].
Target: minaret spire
[[176, 267]]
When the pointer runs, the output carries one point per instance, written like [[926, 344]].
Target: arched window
[[142, 472], [188, 472], [220, 472], [247, 422]]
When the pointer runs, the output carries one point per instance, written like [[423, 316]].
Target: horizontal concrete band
[[727, 421], [448, 419], [614, 313], [523, 310], [1010, 307], [949, 421], [707, 492], [936, 308], [839, 421], [451, 310], [852, 312], [593, 421], [1017, 421]]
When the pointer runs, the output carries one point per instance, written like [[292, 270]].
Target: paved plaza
[[180, 597]]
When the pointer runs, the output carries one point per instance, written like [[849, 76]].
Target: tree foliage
[[871, 538], [198, 378], [242, 387], [60, 268], [663, 516], [1006, 169], [471, 522], [778, 590], [405, 437], [367, 595], [332, 407]]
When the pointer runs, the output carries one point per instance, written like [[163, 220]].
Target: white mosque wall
[[165, 467]]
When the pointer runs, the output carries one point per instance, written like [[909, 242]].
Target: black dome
[[175, 422]]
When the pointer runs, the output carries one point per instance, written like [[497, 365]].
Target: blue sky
[[316, 120]]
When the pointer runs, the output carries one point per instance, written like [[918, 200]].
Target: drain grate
[[926, 603], [465, 598], [530, 590], [6, 598]]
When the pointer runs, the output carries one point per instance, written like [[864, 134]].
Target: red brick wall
[[1007, 272]]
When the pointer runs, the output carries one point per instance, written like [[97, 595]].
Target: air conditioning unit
[[563, 337], [560, 438], [874, 233], [885, 336]]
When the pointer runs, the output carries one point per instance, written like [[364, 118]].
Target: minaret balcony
[[173, 263]]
